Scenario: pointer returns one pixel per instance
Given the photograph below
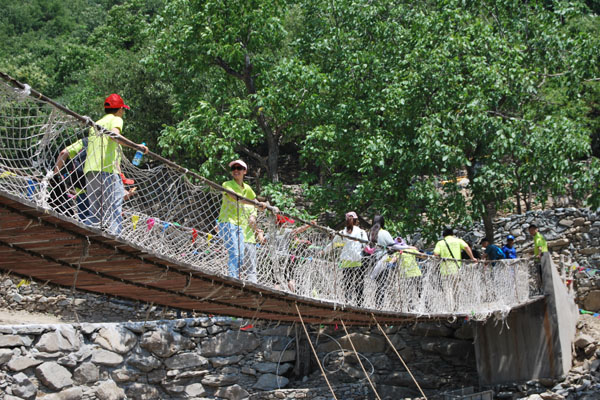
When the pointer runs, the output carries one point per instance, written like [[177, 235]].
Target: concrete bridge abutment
[[534, 341]]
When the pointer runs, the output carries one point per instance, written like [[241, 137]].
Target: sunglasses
[[237, 168]]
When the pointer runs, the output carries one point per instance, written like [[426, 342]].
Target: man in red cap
[[102, 168]]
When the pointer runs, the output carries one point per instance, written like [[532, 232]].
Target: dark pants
[[353, 282]]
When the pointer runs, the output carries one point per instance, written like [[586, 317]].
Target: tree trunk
[[518, 195], [528, 200], [273, 157], [488, 217]]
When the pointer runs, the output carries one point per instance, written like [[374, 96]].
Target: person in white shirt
[[353, 273]]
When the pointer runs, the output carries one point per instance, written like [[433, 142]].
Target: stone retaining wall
[[208, 358], [212, 358]]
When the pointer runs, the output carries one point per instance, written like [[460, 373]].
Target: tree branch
[[227, 68], [262, 160]]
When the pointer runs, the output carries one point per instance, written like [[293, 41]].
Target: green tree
[[437, 88], [238, 87]]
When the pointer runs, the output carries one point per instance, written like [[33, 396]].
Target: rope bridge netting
[[164, 209]]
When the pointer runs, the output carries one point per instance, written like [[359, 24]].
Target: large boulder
[[185, 360], [107, 358], [362, 343], [15, 341], [229, 343], [54, 375], [23, 387], [235, 392], [116, 338], [591, 301], [165, 342], [87, 372], [144, 362], [64, 339], [140, 391], [108, 390], [270, 382]]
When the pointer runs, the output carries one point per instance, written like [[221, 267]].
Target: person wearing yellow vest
[[539, 242], [409, 273], [449, 249], [102, 168], [234, 215]]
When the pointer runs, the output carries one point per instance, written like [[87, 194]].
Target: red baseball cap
[[115, 101]]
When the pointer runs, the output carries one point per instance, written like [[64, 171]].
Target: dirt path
[[25, 318]]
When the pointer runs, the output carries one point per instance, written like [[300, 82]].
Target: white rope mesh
[[174, 214]]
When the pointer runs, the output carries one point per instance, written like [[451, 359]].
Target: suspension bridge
[[163, 247]]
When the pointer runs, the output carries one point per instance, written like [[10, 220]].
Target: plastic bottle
[[137, 158]]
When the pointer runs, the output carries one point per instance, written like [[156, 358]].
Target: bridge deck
[[49, 247]]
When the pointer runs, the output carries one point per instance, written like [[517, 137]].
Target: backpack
[[76, 176], [496, 253]]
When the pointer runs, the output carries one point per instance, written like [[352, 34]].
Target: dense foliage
[[369, 105]]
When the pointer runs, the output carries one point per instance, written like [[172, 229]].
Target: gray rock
[[427, 329], [107, 358], [218, 362], [74, 393], [235, 392], [116, 339], [591, 301], [362, 342], [87, 372], [108, 390], [566, 222], [14, 341], [583, 340], [229, 343], [69, 360], [280, 356], [270, 382], [54, 375], [195, 390], [22, 363], [395, 392], [165, 343], [156, 376], [217, 380], [214, 329], [23, 387], [140, 391], [31, 329], [65, 338], [185, 360], [271, 368], [122, 375], [144, 363], [197, 332], [5, 356], [248, 371]]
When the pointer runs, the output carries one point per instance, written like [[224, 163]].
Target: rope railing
[[168, 210]]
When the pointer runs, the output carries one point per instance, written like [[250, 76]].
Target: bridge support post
[[536, 340]]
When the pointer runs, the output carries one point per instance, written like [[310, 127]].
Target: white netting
[[174, 213]]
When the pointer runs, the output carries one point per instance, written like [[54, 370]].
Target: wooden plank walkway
[[46, 246]]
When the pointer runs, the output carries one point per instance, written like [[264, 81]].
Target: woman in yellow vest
[[409, 274]]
